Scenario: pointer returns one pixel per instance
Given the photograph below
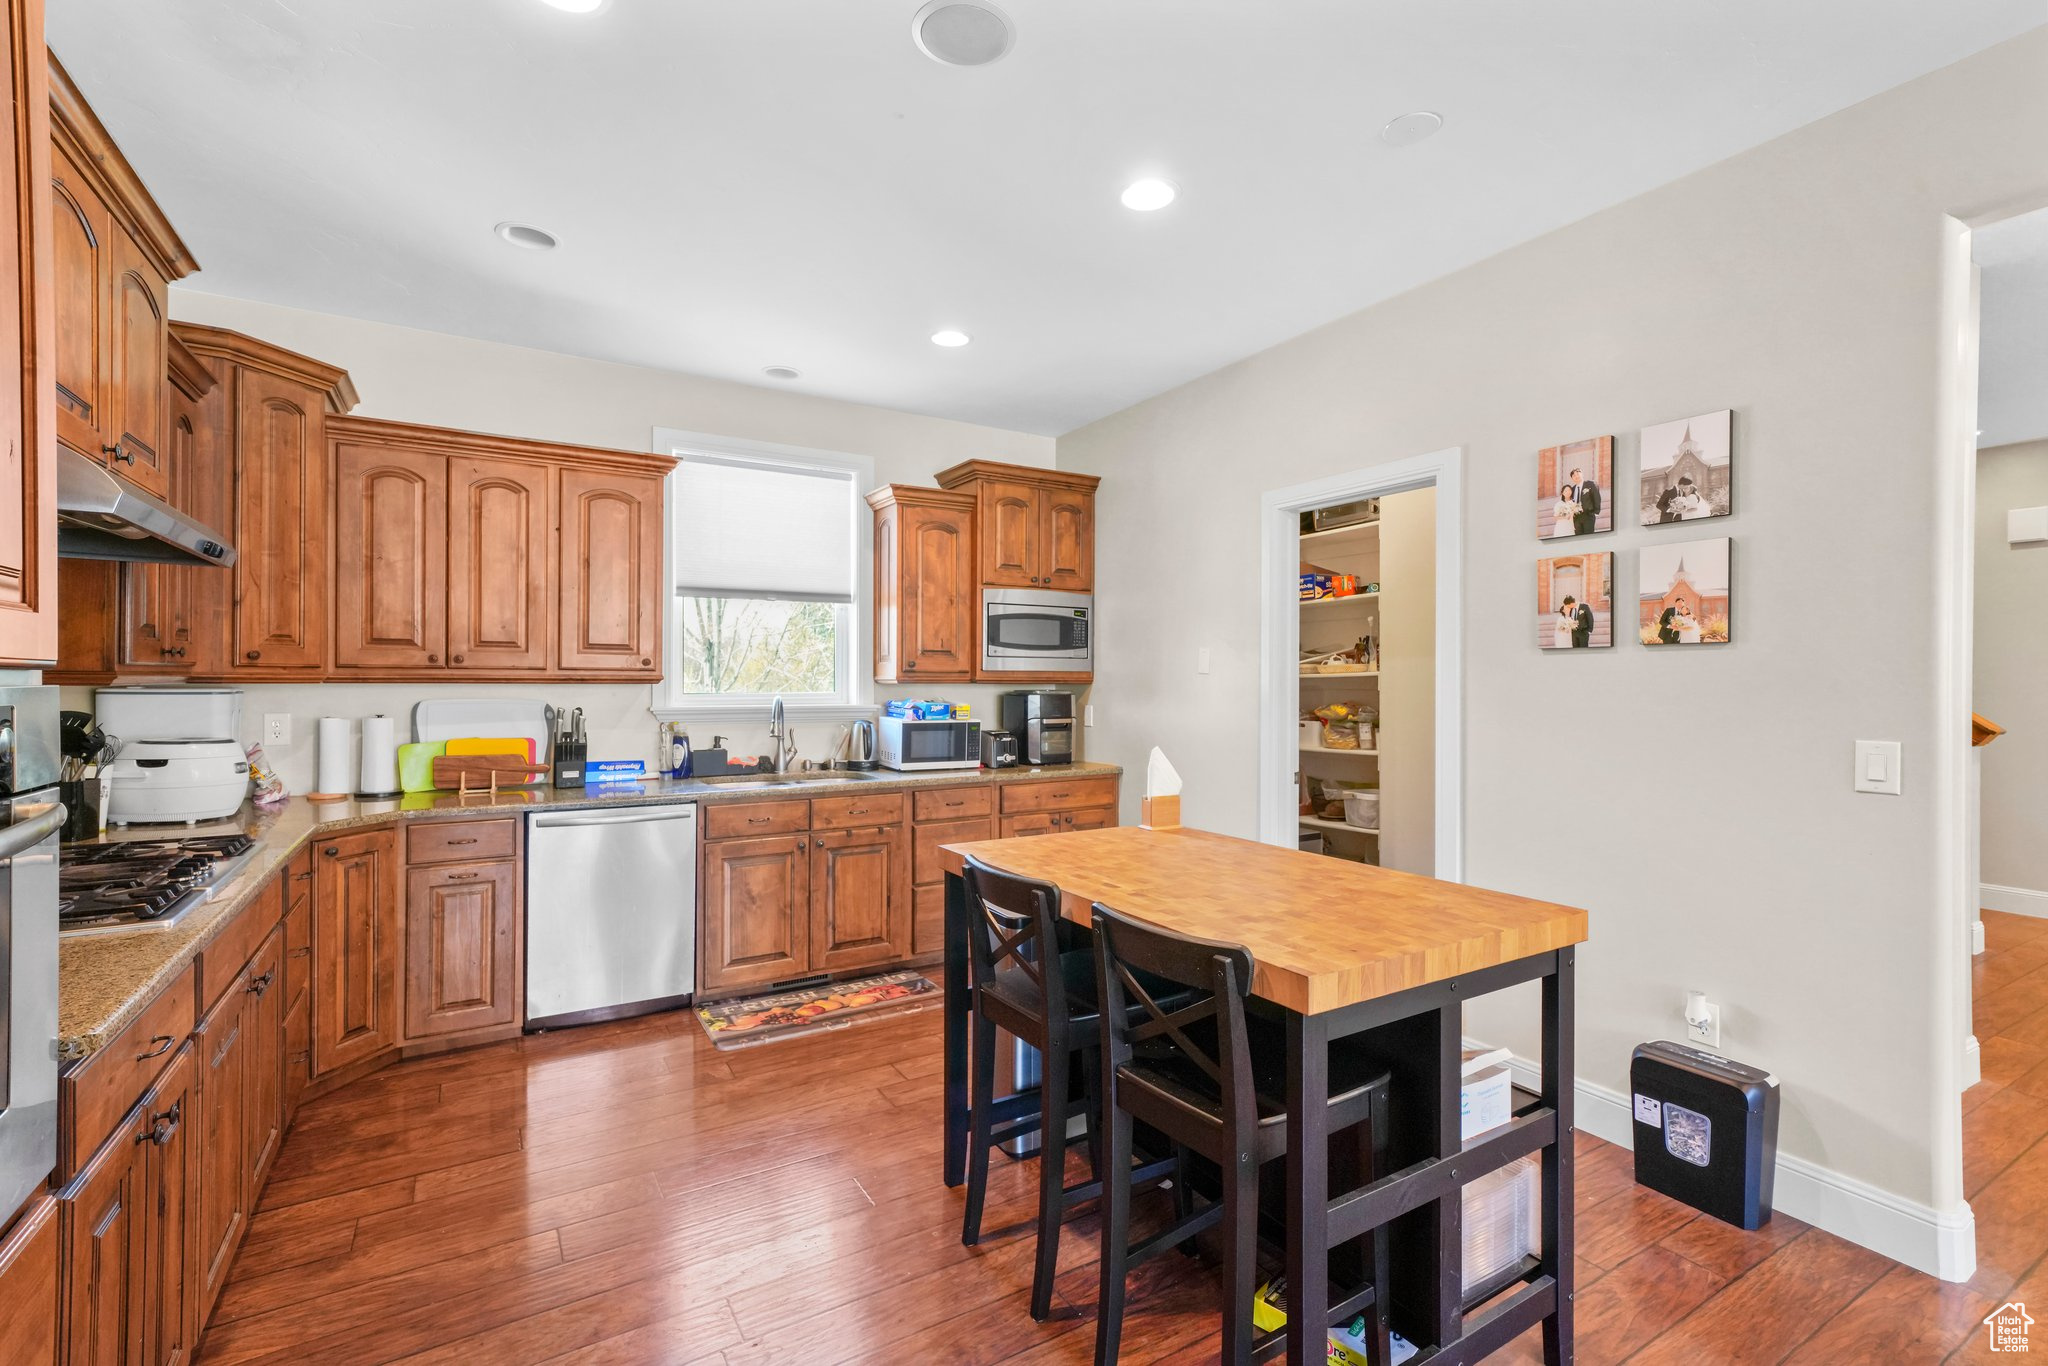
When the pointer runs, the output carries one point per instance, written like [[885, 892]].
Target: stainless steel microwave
[[1034, 631]]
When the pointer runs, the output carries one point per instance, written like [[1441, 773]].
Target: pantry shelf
[[1348, 753], [1341, 674], [1319, 823], [1348, 599]]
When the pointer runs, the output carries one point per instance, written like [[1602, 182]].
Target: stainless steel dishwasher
[[611, 912]]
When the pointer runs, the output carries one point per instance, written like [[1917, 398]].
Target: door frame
[[1280, 638]]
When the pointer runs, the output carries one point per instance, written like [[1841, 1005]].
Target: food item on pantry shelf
[[1341, 723]]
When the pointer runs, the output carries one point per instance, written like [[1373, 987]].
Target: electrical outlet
[[277, 728], [1706, 1033]]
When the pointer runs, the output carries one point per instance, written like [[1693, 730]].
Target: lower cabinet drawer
[[953, 803], [1057, 794], [459, 841], [98, 1092], [724, 820], [857, 813]]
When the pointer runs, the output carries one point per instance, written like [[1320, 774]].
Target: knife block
[[568, 762]]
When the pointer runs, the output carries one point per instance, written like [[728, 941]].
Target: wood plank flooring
[[626, 1194]]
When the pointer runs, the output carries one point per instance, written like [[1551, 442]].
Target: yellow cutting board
[[519, 745]]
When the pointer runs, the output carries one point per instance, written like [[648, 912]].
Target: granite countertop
[[105, 980]]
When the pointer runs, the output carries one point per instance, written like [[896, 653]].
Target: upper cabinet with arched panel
[[114, 256], [525, 560]]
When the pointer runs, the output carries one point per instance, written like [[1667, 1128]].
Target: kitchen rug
[[790, 1014]]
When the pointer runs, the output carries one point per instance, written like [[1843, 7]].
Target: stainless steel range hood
[[101, 516]]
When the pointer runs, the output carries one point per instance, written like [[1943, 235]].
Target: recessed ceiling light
[[950, 337], [959, 33], [1409, 129], [525, 235], [1147, 195], [578, 6], [783, 372]]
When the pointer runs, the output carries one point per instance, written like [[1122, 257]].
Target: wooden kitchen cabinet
[[610, 600], [1036, 527], [28, 1286], [221, 1206], [281, 529], [390, 557], [264, 1025], [28, 347], [859, 898], [461, 948], [115, 258], [102, 1252], [500, 520], [927, 590], [754, 911], [169, 1153], [355, 938]]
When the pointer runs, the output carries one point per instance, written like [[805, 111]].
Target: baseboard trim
[[1973, 1063], [1941, 1243], [2013, 900], [1976, 938]]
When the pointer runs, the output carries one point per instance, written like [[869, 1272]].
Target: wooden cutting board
[[486, 770]]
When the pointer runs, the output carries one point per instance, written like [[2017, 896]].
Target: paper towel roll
[[380, 758], [332, 772]]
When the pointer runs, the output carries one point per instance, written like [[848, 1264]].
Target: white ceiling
[[789, 182], [2012, 375]]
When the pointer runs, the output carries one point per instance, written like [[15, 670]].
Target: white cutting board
[[459, 718]]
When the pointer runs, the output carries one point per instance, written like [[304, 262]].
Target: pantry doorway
[[1390, 648]]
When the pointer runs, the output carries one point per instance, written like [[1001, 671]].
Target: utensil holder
[[81, 800]]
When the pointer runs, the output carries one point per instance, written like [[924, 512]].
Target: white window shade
[[750, 529]]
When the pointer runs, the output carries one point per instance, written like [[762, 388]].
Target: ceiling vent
[[962, 32]]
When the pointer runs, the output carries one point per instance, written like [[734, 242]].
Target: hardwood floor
[[626, 1194]]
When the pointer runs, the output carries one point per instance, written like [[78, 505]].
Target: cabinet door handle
[[759, 820], [162, 1126], [646, 663], [163, 1044], [463, 877], [433, 659], [125, 457], [332, 851], [253, 654], [453, 659], [302, 877], [956, 803], [856, 811], [259, 985], [909, 664], [453, 843]]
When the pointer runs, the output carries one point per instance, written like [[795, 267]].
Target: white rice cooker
[[179, 758]]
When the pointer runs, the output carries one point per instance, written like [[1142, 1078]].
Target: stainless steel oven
[[31, 819], [1036, 631]]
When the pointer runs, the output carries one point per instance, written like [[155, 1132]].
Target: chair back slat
[[1013, 925], [1215, 975]]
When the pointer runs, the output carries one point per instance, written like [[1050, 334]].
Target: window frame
[[855, 697]]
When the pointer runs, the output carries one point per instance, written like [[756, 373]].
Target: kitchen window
[[765, 546]]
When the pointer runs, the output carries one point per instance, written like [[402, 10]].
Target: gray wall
[[2012, 673], [1803, 285]]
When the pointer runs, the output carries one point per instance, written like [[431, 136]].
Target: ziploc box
[[613, 770], [1485, 1091]]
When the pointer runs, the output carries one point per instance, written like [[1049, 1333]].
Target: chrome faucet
[[779, 732]]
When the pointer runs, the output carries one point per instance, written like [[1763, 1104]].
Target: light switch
[[1202, 660], [1877, 767]]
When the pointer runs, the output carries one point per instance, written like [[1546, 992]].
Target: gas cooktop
[[142, 884]]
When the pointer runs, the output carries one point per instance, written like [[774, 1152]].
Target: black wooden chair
[[1210, 1079], [1025, 982]]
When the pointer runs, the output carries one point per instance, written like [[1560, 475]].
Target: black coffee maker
[[1043, 722]]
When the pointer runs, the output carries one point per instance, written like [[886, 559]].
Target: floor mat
[[791, 1014]]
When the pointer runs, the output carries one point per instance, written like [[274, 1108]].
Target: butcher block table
[[1342, 948]]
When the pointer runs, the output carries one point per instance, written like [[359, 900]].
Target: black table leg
[[1558, 1218], [1308, 1187], [958, 998]]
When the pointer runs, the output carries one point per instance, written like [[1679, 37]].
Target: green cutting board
[[416, 765]]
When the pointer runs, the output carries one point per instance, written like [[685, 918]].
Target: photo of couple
[[1574, 602], [1571, 489], [1686, 469], [1683, 593]]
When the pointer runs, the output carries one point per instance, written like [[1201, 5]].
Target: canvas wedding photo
[[1574, 488], [1683, 593], [1687, 469], [1575, 601]]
